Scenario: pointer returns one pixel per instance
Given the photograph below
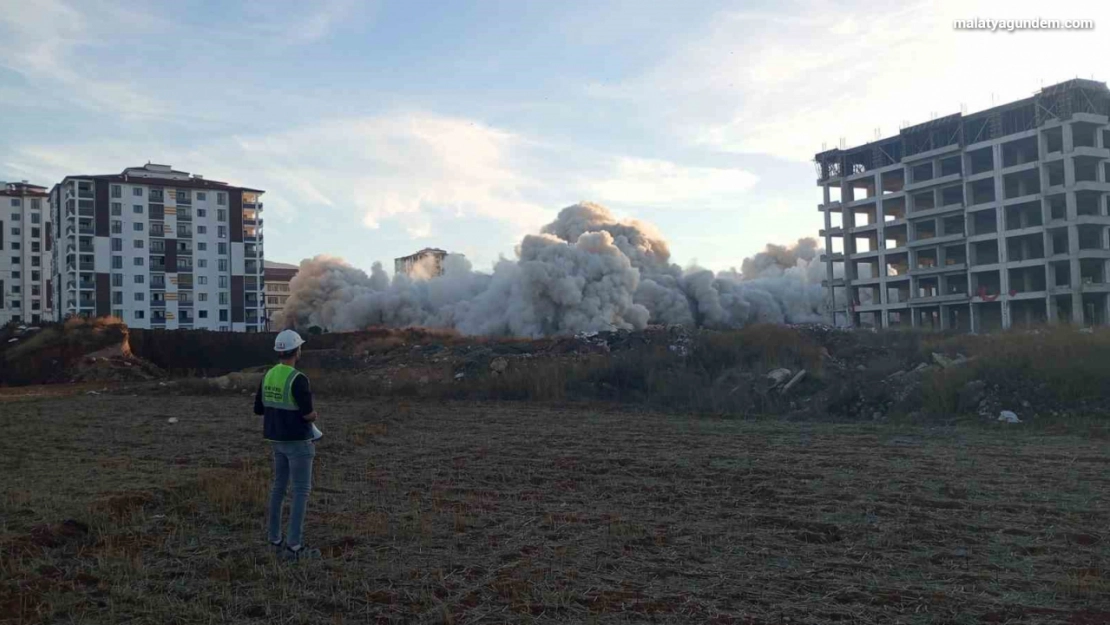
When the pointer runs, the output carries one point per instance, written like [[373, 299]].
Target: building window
[[221, 214], [137, 191], [36, 233], [15, 232], [223, 317], [117, 279], [16, 203], [36, 261], [201, 212], [117, 298], [202, 229], [139, 278], [157, 230], [35, 247], [204, 314], [117, 191], [117, 245], [16, 246], [138, 244], [118, 312], [202, 263], [221, 232], [138, 226], [223, 302], [139, 297], [36, 204], [201, 196], [16, 289], [15, 275], [222, 248], [15, 260], [36, 218], [117, 226], [203, 297], [35, 276], [222, 265], [117, 262], [137, 209], [202, 246], [139, 314], [117, 209], [221, 198], [35, 290], [15, 216], [202, 279], [138, 261]]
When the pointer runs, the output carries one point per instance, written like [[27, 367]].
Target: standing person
[[285, 399]]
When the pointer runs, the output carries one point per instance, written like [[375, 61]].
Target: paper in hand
[[316, 433]]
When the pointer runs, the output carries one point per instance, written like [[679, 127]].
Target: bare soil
[[439, 512]]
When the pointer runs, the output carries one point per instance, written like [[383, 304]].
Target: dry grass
[[464, 512]]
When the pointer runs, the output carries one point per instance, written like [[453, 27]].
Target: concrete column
[[1000, 225], [1050, 311], [944, 321], [1069, 139], [976, 318]]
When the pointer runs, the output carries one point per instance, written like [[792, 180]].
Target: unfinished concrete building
[[975, 222]]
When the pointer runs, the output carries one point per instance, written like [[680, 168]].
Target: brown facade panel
[[49, 239], [103, 294], [49, 295], [235, 214], [1, 235], [101, 209], [171, 255], [237, 314]]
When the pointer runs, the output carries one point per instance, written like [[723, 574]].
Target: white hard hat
[[287, 341]]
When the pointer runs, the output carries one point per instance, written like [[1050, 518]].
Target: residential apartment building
[[25, 254], [278, 276], [975, 222], [426, 263], [159, 248]]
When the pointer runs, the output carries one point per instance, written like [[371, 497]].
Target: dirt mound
[[78, 350]]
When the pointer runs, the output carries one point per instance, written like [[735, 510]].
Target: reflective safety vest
[[277, 388]]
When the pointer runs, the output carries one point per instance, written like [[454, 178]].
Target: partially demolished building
[[975, 222]]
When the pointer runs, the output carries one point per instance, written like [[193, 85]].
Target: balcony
[[156, 196], [87, 266], [85, 193], [86, 212], [184, 198], [86, 285], [184, 214], [250, 284], [86, 229], [184, 234], [86, 247]]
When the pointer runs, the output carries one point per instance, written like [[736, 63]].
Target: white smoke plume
[[586, 271]]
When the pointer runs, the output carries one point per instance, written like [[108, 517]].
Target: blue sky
[[378, 128]]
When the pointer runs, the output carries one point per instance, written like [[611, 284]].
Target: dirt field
[[511, 512]]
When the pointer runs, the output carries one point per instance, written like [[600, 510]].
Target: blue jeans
[[291, 458]]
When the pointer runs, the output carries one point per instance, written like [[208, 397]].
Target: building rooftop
[[163, 175], [269, 264], [22, 189]]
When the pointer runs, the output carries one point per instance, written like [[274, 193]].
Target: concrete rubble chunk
[[1007, 416], [498, 365], [798, 377], [778, 377]]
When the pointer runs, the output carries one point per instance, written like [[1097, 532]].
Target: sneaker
[[300, 552], [276, 548]]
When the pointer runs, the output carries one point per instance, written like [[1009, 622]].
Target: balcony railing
[[85, 212], [156, 196], [86, 284], [87, 266], [184, 234], [85, 193], [85, 247], [86, 229]]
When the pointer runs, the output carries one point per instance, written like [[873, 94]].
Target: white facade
[[167, 250], [25, 254]]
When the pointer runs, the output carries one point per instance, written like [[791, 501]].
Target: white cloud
[[658, 182], [309, 21], [757, 83], [43, 41], [407, 168]]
